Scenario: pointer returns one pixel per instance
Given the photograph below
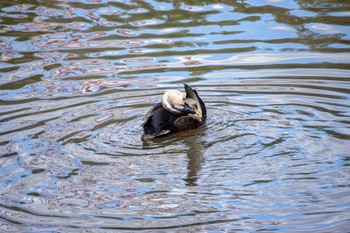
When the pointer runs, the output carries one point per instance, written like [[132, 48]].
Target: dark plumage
[[177, 111]]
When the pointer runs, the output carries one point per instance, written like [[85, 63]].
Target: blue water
[[77, 78]]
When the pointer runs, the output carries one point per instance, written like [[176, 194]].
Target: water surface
[[77, 78]]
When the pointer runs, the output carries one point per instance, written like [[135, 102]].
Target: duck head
[[197, 114], [192, 100], [174, 102]]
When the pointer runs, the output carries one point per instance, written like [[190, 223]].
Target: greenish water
[[77, 78]]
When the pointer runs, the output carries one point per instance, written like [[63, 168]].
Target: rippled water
[[77, 77]]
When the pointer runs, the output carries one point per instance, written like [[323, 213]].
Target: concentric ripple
[[77, 78]]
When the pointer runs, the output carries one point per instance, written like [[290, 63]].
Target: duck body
[[177, 112]]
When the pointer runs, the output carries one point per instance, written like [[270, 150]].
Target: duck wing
[[158, 122], [150, 113], [186, 123]]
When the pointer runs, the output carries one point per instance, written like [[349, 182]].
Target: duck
[[178, 111]]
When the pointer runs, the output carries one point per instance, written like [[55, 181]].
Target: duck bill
[[188, 110], [198, 116]]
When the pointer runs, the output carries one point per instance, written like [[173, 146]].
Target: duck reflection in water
[[178, 111], [193, 141], [195, 160]]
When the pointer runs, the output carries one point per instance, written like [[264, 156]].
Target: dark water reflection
[[77, 77]]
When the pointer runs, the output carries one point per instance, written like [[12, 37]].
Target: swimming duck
[[178, 111]]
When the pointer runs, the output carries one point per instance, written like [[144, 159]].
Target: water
[[77, 77]]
